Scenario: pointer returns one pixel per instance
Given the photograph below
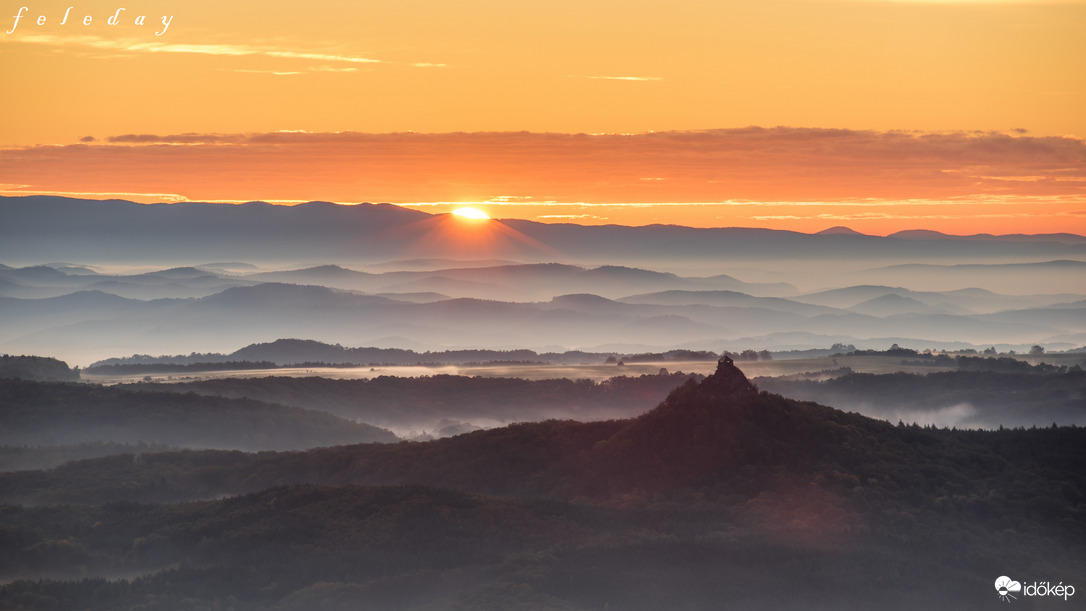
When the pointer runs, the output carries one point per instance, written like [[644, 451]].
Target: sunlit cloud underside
[[783, 177]]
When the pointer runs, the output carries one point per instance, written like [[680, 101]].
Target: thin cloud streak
[[222, 50], [321, 57], [272, 72], [20, 191], [625, 78]]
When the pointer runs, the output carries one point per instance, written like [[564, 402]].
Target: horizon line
[[833, 230]]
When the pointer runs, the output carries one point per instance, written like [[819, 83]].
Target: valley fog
[[324, 416]]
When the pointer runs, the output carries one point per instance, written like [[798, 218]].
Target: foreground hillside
[[439, 401], [62, 413], [721, 496], [966, 399]]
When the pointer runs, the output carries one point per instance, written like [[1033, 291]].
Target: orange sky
[[963, 117]]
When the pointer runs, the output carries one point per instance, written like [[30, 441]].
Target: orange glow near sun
[[469, 236], [474, 214]]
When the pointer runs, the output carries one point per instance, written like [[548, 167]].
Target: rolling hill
[[721, 492], [56, 413]]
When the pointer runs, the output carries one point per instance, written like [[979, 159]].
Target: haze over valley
[[409, 411], [579, 289]]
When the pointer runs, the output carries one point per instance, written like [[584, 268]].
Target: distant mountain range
[[48, 228], [615, 309], [384, 276], [285, 352], [512, 282], [1054, 275]]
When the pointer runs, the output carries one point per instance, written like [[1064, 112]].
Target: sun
[[474, 214]]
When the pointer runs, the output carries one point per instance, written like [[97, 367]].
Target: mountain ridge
[[53, 228]]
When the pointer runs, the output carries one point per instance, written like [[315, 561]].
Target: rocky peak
[[729, 380]]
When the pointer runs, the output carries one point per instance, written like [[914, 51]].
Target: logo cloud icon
[[1005, 585]]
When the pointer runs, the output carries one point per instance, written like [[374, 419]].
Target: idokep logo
[[1007, 587]]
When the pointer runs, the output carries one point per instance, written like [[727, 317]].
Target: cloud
[[332, 69], [571, 217], [177, 139], [222, 50], [21, 190], [622, 78], [752, 166], [323, 57], [230, 50], [272, 72]]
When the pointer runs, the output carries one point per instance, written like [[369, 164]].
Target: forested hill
[[422, 403], [61, 413], [284, 352], [720, 496], [967, 399], [718, 439], [36, 368]]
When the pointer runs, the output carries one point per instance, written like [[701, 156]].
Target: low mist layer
[[508, 307]]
